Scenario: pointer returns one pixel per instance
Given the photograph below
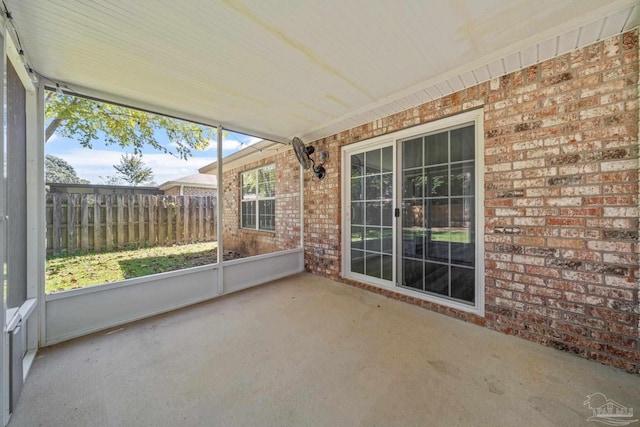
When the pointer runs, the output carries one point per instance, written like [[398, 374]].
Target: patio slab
[[308, 351]]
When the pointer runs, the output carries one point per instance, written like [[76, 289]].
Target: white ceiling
[[279, 68]]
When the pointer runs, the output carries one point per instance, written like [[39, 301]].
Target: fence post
[[193, 220], [179, 224], [152, 218], [71, 223], [162, 206], [120, 219], [141, 215], [201, 218], [131, 226], [187, 234], [108, 222], [97, 223], [84, 223], [207, 213], [57, 223], [170, 215], [49, 222]]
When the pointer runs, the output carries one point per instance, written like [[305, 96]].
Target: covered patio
[[468, 254], [306, 350]]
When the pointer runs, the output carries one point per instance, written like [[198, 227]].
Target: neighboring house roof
[[55, 187], [249, 154], [195, 180]]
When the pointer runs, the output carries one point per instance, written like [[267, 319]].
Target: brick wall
[[191, 191], [561, 201], [287, 221]]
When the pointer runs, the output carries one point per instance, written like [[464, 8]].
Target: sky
[[96, 163]]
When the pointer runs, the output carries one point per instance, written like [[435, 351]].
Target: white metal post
[[4, 353], [41, 225], [35, 209], [302, 212], [219, 209]]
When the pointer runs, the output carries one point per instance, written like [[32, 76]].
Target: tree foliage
[[111, 180], [132, 170], [88, 120], [59, 171]]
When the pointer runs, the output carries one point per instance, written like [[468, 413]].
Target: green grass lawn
[[79, 271], [451, 236]]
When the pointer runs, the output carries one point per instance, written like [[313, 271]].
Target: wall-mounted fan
[[304, 157]]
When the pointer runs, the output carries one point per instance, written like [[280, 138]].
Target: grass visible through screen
[[81, 270], [454, 236], [451, 236]]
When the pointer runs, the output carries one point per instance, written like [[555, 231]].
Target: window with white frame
[[258, 199]]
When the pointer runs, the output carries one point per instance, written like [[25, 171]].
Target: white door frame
[[477, 118]]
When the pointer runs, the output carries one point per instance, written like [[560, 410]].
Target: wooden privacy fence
[[104, 222]]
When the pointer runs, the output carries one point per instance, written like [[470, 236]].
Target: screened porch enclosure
[[76, 312], [481, 163]]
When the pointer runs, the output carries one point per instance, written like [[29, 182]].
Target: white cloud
[[93, 164], [227, 145], [53, 138], [97, 164], [231, 144]]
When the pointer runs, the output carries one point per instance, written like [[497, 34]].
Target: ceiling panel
[[616, 22], [512, 62], [590, 33], [548, 49], [482, 73], [469, 79], [456, 83], [276, 69], [568, 41], [496, 68], [529, 55]]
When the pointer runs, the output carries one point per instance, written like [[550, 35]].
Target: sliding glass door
[[410, 203]]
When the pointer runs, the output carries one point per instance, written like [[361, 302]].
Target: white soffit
[[275, 68]]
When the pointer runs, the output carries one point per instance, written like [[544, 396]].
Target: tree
[[84, 119], [111, 180], [59, 171], [132, 170]]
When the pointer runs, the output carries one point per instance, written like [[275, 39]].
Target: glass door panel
[[437, 221], [371, 216]]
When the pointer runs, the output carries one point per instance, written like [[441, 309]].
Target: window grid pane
[[249, 185], [267, 215], [258, 191], [248, 214]]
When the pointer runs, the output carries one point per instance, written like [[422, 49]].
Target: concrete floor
[[306, 351]]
